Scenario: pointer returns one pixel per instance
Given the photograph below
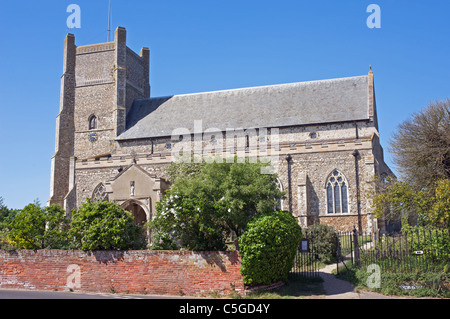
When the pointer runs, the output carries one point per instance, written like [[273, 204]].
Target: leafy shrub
[[163, 241], [184, 221], [35, 227], [268, 248], [324, 239], [105, 226], [428, 238]]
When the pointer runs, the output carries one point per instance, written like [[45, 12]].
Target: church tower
[[98, 86]]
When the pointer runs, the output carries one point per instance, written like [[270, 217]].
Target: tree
[[35, 227], [439, 212], [396, 199], [103, 225], [185, 220], [6, 215], [400, 200], [213, 202], [421, 149], [421, 146], [183, 169]]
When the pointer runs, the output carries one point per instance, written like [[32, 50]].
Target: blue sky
[[204, 45]]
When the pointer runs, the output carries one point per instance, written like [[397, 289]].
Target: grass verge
[[416, 284]]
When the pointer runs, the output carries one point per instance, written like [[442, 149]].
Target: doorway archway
[[139, 215]]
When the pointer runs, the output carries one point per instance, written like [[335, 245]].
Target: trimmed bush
[[268, 248], [324, 239]]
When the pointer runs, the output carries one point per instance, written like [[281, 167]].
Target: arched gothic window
[[337, 193], [92, 122], [100, 193]]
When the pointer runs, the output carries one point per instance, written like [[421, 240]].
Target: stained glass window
[[330, 198], [344, 198], [337, 193]]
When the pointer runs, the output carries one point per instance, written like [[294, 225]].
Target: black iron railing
[[414, 249]]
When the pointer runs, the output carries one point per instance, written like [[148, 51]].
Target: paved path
[[341, 289], [336, 288]]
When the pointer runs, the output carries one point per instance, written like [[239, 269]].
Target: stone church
[[114, 141]]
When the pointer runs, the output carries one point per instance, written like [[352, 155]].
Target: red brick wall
[[150, 272]]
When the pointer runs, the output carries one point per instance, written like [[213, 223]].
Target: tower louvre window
[[92, 122]]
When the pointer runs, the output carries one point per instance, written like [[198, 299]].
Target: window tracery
[[337, 193], [100, 193]]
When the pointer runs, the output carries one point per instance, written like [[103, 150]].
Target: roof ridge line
[[259, 87]]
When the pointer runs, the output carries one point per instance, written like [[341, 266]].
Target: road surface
[[25, 294]]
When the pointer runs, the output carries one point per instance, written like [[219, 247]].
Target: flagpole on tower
[[109, 22]]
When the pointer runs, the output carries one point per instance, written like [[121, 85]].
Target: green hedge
[[268, 248]]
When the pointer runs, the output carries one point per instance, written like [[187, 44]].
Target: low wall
[[141, 272]]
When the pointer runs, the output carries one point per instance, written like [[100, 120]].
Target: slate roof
[[303, 103]]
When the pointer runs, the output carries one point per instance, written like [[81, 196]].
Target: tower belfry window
[[93, 122]]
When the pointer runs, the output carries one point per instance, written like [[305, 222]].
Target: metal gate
[[306, 262]]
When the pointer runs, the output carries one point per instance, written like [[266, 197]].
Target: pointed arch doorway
[[141, 215], [137, 191]]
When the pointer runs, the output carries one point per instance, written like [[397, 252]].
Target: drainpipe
[[358, 200], [289, 160]]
